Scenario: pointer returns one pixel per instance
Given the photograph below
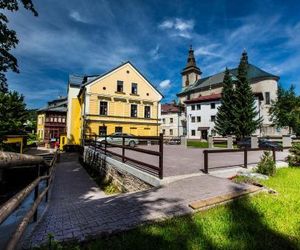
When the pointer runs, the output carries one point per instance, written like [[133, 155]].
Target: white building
[[173, 122], [204, 91], [201, 113]]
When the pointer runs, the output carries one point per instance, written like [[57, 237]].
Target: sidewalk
[[79, 210]]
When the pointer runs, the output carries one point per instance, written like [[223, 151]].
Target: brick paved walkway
[[78, 209]]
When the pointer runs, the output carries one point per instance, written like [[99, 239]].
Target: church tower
[[191, 72]]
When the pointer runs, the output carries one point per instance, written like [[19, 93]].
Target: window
[[59, 119], [171, 131], [198, 118], [193, 107], [163, 131], [164, 120], [267, 96], [193, 132], [188, 97], [213, 132], [103, 108], [118, 129], [134, 88], [193, 119], [51, 119], [55, 119], [63, 120], [198, 106], [119, 86], [47, 120], [102, 130], [212, 105], [171, 120], [147, 112], [133, 112], [212, 118]]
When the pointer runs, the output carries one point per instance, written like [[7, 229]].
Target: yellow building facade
[[121, 100], [41, 126]]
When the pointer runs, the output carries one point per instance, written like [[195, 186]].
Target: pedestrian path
[[78, 209]]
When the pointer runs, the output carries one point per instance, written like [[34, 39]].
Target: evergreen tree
[[224, 120], [285, 111], [13, 114], [246, 117], [9, 39]]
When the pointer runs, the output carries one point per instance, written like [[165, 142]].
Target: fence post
[[245, 157], [161, 155], [47, 185], [105, 144], [123, 149], [205, 161], [274, 155], [36, 194]]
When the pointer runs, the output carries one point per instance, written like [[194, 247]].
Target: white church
[[202, 97]]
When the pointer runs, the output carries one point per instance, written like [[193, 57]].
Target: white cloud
[[165, 84], [75, 15], [167, 24], [155, 53], [184, 25], [178, 27]]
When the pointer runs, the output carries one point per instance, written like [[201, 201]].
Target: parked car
[[244, 143], [267, 144], [117, 138], [262, 143]]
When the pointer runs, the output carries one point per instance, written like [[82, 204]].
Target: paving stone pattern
[[79, 210]]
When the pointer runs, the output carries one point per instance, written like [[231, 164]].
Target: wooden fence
[[13, 203], [245, 151], [102, 144]]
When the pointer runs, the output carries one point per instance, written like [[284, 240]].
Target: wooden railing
[[102, 144], [13, 203], [245, 151]]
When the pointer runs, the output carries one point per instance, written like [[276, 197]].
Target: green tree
[[13, 113], [285, 111], [224, 124], [9, 40], [246, 117]]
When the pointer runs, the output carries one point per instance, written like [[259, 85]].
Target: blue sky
[[92, 36]]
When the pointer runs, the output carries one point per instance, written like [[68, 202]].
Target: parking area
[[181, 160]]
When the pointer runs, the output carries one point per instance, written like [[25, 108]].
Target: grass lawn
[[263, 221], [204, 144]]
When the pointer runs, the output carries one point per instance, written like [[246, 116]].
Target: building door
[[204, 134]]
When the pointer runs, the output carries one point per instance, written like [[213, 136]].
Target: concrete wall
[[111, 170]]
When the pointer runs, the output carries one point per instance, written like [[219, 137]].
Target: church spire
[[191, 72], [191, 61]]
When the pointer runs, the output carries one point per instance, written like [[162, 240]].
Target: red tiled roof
[[169, 108], [205, 98]]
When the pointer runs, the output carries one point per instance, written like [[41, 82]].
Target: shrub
[[266, 165], [294, 157]]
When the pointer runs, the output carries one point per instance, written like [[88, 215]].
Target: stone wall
[[125, 181]]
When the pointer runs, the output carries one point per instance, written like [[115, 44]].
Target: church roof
[[254, 73]]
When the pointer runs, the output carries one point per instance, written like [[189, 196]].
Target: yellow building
[[121, 100]]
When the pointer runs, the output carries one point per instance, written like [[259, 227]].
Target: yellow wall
[[41, 126], [76, 122], [119, 104]]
